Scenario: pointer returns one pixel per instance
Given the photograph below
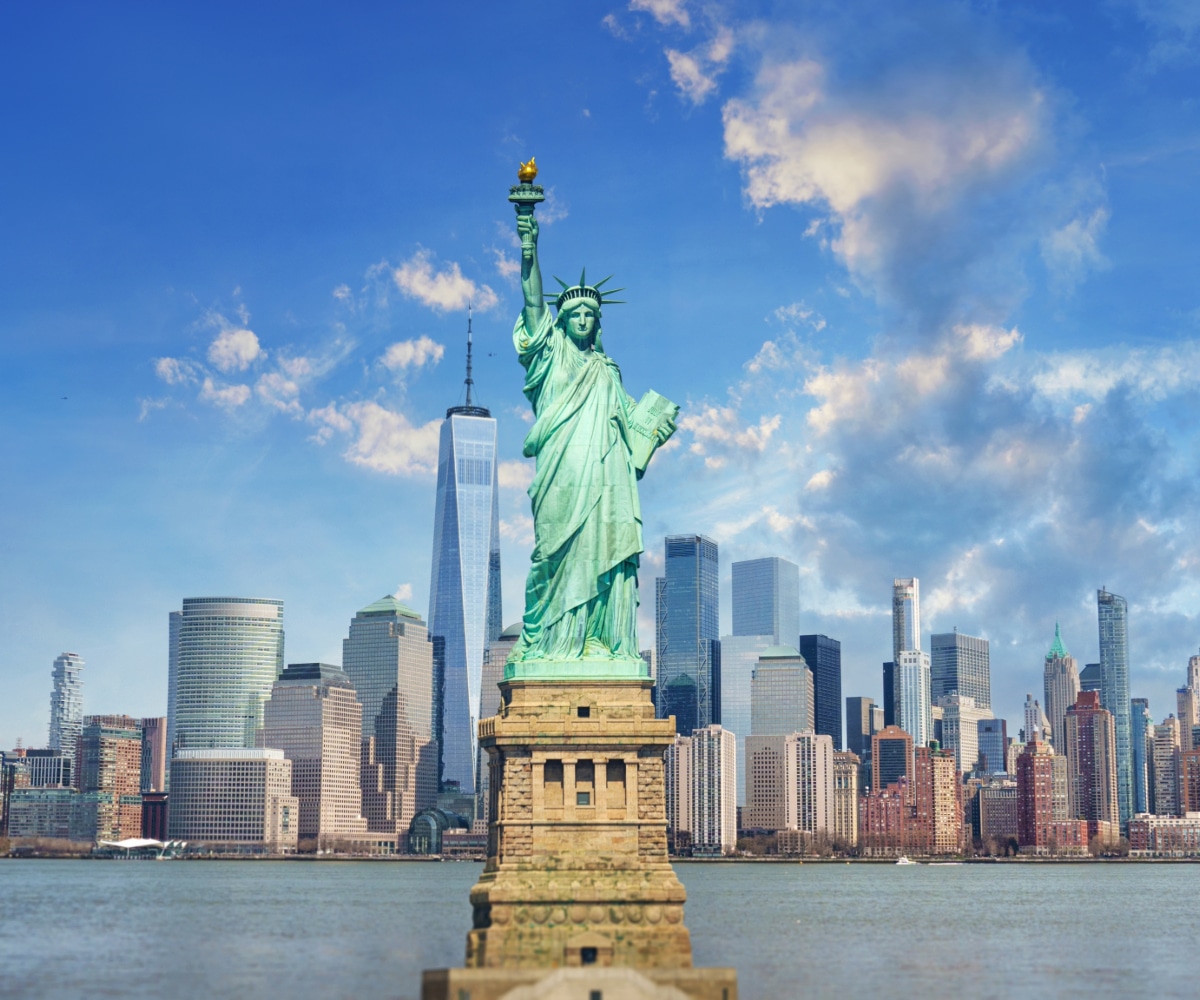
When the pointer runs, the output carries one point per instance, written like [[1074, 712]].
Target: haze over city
[[921, 281]]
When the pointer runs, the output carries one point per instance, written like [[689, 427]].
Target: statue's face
[[582, 322]]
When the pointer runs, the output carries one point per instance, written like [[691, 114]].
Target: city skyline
[[252, 318]]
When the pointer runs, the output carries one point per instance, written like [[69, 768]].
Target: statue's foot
[[594, 649]]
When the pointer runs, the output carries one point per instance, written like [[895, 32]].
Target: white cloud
[[384, 440], [279, 391], [228, 397], [878, 166], [688, 75], [444, 291], [342, 293], [1072, 250], [820, 480], [717, 434], [508, 267], [404, 592], [664, 11], [1153, 375], [146, 406], [234, 350], [175, 371], [518, 528], [406, 354], [799, 312], [553, 209], [515, 474]]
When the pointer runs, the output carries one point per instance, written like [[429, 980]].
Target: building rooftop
[[512, 632], [390, 605], [1057, 650], [314, 673], [780, 653]]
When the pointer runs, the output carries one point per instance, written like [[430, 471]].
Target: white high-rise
[[464, 587], [66, 706], [960, 728], [226, 652], [906, 616], [713, 754], [914, 710]]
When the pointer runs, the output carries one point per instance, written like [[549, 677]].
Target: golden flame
[[528, 171]]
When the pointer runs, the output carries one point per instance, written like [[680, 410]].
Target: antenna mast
[[470, 381]]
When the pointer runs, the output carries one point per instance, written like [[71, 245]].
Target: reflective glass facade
[[1114, 688], [389, 660], [739, 657], [226, 653], [464, 588], [961, 664], [691, 651], [781, 699], [1141, 723], [824, 658], [914, 711], [906, 616], [766, 599], [66, 705]]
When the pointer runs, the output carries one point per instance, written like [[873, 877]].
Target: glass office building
[[739, 658], [1114, 688], [961, 664], [390, 661], [906, 616], [766, 599], [464, 588], [914, 711], [66, 705], [226, 652], [824, 658], [689, 654]]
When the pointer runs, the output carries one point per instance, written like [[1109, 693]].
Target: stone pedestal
[[577, 872]]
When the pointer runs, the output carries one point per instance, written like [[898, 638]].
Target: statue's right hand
[[527, 229]]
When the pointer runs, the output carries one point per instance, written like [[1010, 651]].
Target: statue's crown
[[593, 293]]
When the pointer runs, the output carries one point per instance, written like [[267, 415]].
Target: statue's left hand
[[665, 429]]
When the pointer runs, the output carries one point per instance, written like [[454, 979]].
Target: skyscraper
[[389, 660], [1089, 677], [227, 652], [464, 586], [154, 754], [906, 616], [713, 753], [739, 658], [891, 758], [110, 775], [824, 658], [860, 725], [960, 729], [1089, 739], [992, 735], [691, 650], [1168, 755], [66, 705], [1060, 684], [914, 711], [781, 694], [889, 693], [961, 664], [315, 718], [766, 599], [1114, 688], [1141, 734]]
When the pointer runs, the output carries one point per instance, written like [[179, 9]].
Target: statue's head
[[580, 319], [579, 309]]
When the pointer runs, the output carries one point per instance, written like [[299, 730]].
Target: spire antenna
[[470, 381]]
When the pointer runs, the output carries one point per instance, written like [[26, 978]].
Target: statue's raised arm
[[531, 271]]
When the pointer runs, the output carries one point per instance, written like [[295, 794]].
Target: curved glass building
[[226, 652]]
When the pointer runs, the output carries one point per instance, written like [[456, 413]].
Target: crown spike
[[565, 286], [600, 284], [583, 278]]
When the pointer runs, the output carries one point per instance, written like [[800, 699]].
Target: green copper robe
[[581, 595]]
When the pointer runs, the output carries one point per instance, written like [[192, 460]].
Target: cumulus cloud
[[228, 397], [515, 474], [664, 11], [444, 290], [506, 266], [234, 350], [1073, 250], [518, 529], [404, 592], [381, 439], [277, 390], [718, 435], [175, 371], [695, 73], [405, 354]]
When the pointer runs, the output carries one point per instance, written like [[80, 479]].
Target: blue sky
[[924, 281]]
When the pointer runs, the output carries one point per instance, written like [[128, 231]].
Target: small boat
[[903, 860]]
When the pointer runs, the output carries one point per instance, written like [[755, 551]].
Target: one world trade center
[[464, 591]]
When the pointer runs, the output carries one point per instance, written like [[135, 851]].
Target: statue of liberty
[[591, 443]]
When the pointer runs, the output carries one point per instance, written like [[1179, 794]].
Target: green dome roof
[[389, 605], [512, 632], [780, 652]]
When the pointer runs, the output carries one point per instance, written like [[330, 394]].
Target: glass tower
[[1141, 724], [766, 599], [824, 658], [1114, 688], [690, 653], [960, 664], [739, 657], [226, 652], [906, 616], [389, 660], [914, 710], [66, 706], [464, 587]]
